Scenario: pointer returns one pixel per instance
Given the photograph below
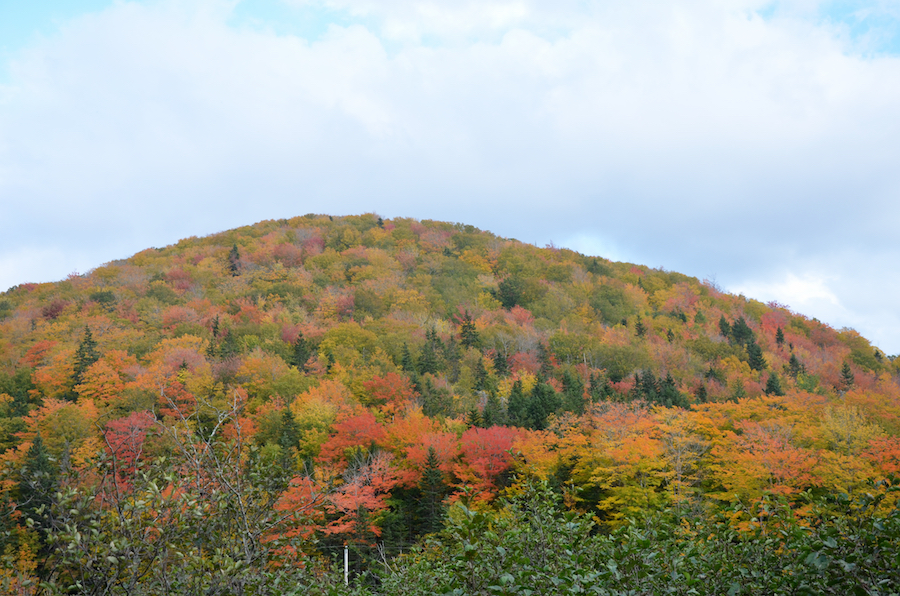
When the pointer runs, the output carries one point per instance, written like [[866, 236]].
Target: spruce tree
[[755, 356], [433, 489], [773, 385], [38, 482], [234, 261], [481, 375], [501, 365], [542, 402], [794, 366], [468, 334], [493, 412], [724, 327], [741, 332], [517, 405], [573, 393], [779, 337], [85, 356], [406, 360], [300, 352], [847, 378], [639, 328]]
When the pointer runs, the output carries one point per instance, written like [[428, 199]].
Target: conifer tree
[[847, 378], [300, 352], [234, 261], [38, 482], [517, 405], [794, 366], [702, 395], [755, 356], [473, 418], [468, 334], [542, 402], [501, 365], [724, 327], [779, 337], [773, 385], [639, 328], [741, 332], [546, 360], [670, 336], [481, 375], [85, 356], [406, 360], [493, 412], [433, 489], [573, 393]]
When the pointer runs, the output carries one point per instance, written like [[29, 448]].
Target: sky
[[754, 144]]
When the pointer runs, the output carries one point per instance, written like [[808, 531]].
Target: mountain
[[351, 376]]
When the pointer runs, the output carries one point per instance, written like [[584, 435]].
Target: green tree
[[755, 356], [847, 378], [517, 405], [433, 489], [85, 356], [779, 337], [468, 334], [301, 350], [234, 261], [773, 385]]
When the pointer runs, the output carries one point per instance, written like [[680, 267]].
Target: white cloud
[[694, 135]]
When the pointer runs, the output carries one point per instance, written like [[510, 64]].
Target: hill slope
[[404, 362]]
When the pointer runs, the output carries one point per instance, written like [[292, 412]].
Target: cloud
[[705, 137]]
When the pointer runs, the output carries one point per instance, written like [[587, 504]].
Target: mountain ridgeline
[[226, 414]]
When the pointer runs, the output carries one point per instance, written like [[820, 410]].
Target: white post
[[346, 566]]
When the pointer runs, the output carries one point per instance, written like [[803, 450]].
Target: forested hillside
[[224, 415]]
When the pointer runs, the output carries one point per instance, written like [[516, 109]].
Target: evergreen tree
[[847, 378], [517, 405], [234, 260], [670, 336], [38, 482], [755, 356], [433, 489], [85, 356], [794, 366], [501, 365], [473, 418], [452, 358], [545, 359], [428, 358], [669, 395], [779, 337], [301, 350], [493, 412], [639, 328], [542, 402], [481, 375], [741, 332], [229, 346], [406, 360], [702, 395], [724, 327], [773, 385], [509, 292], [573, 393], [468, 334]]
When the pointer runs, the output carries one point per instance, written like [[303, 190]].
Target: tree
[[779, 337], [847, 378], [755, 356], [468, 334], [542, 402], [301, 350], [741, 332], [493, 414], [433, 489], [38, 481], [724, 327], [501, 364], [773, 385], [794, 366], [639, 329], [509, 292], [85, 356], [234, 261], [517, 405]]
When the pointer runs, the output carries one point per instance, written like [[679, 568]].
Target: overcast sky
[[748, 142]]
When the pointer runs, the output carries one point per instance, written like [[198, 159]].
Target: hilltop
[[350, 369]]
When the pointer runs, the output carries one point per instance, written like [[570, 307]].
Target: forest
[[456, 412]]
